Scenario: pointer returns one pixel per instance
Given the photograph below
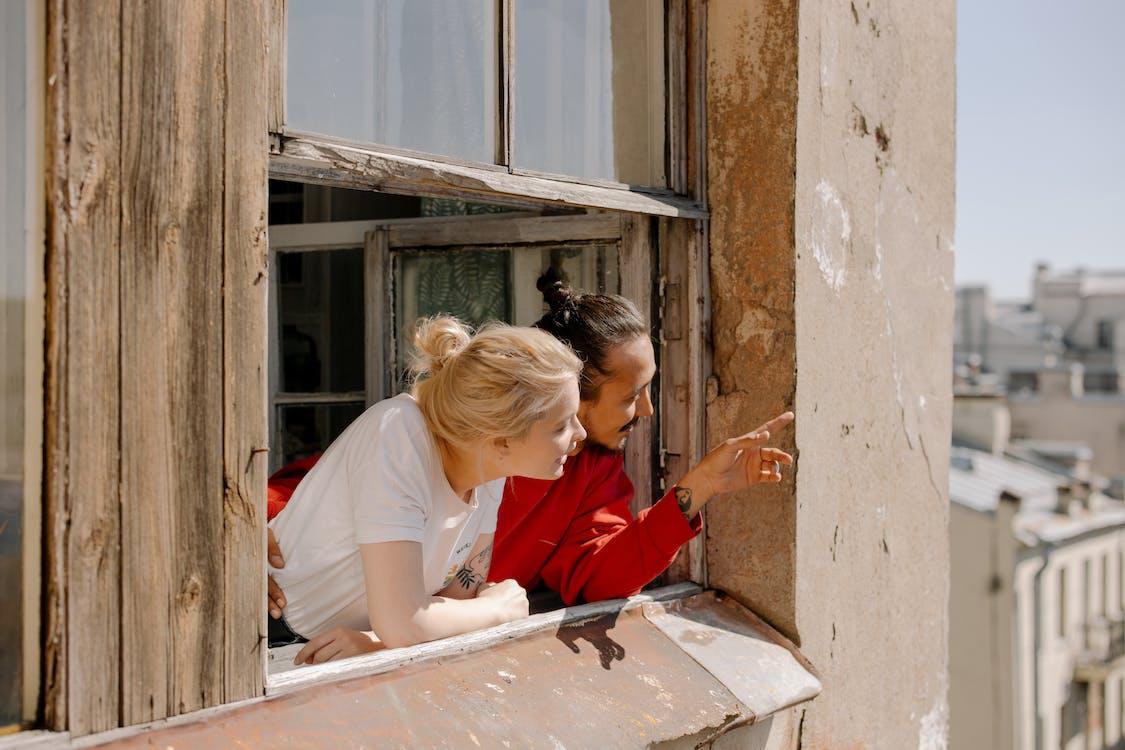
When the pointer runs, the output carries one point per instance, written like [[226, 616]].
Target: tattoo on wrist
[[468, 578], [468, 574], [683, 499]]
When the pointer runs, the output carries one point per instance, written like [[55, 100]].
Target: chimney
[[1066, 383]]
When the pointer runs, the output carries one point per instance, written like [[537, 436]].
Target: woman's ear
[[503, 447]]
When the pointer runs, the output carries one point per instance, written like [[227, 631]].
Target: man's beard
[[619, 446]]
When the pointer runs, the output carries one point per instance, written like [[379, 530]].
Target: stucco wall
[[831, 157]]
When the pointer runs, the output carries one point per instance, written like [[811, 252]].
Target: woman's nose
[[580, 432]]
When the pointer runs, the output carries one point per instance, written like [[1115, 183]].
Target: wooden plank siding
[[82, 521], [636, 263], [156, 415], [245, 345]]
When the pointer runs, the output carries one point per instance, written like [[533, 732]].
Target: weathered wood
[[277, 23], [636, 261], [375, 328], [245, 374], [503, 229], [676, 36], [695, 64], [172, 357], [319, 159], [506, 9], [389, 659], [683, 369], [81, 652]]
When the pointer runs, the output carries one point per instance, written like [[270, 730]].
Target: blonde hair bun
[[436, 341], [495, 383]]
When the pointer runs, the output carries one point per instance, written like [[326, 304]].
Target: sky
[[1040, 139]]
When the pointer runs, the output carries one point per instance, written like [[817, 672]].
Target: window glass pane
[[588, 96], [416, 74], [482, 284], [310, 428], [13, 301], [471, 285], [322, 323]]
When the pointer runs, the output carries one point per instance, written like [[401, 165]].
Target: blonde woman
[[391, 531]]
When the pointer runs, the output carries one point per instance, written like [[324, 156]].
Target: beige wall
[[830, 154], [1097, 420], [973, 638]]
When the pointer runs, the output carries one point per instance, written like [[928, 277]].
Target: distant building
[[1037, 625], [1060, 357], [1073, 317]]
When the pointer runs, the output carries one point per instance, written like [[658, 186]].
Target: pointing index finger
[[777, 422]]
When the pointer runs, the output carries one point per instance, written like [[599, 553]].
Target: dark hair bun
[[556, 293]]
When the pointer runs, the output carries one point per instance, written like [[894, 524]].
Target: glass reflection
[[321, 315], [588, 96], [307, 429], [415, 74]]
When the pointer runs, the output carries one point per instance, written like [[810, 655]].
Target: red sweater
[[576, 534]]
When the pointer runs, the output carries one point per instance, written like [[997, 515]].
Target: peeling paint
[[830, 234], [933, 731]]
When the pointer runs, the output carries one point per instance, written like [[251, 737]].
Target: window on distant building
[[1105, 334]]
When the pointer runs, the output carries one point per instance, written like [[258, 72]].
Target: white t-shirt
[[380, 481]]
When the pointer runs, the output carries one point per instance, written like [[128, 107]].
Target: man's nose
[[644, 404]]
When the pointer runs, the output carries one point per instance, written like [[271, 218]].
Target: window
[[1105, 334], [415, 74], [573, 89], [344, 295], [588, 89], [326, 369], [20, 358], [1086, 584], [1062, 591], [1103, 587], [473, 204]]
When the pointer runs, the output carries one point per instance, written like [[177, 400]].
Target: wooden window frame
[[323, 159]]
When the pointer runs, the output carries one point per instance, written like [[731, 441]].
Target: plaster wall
[[1095, 419], [830, 160]]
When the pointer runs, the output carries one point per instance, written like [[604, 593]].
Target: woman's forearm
[[439, 617]]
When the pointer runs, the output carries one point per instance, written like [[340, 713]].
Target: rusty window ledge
[[279, 682], [671, 664]]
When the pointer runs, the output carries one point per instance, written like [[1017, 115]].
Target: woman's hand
[[275, 596], [508, 597], [337, 643], [734, 465]]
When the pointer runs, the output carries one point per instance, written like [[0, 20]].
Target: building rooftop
[[977, 479]]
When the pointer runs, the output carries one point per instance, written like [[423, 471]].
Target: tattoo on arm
[[683, 499], [473, 572]]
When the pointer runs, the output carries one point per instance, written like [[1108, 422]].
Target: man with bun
[[576, 535]]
